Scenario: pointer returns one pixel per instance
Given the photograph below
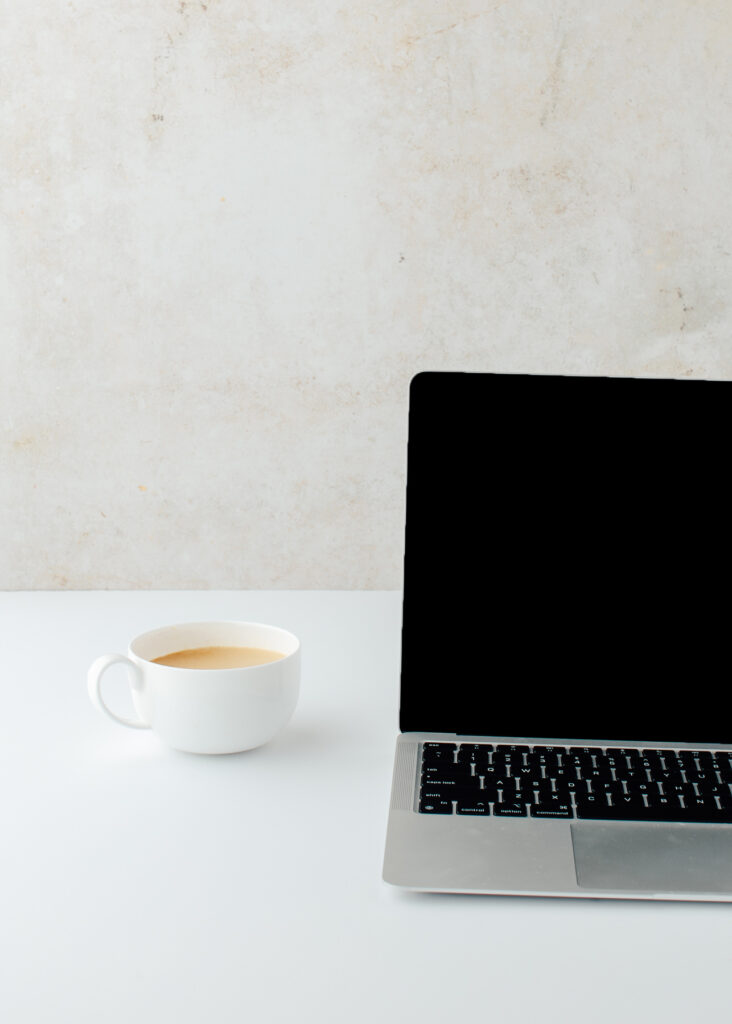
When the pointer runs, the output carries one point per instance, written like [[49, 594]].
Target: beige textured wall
[[232, 231]]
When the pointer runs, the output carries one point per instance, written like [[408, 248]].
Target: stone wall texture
[[231, 231]]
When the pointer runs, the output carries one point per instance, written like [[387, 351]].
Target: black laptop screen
[[568, 558]]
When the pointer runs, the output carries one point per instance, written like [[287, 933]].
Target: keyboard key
[[552, 809], [666, 775], [539, 761], [510, 810], [541, 789], [435, 807], [430, 794], [472, 807], [708, 814], [473, 754], [630, 773], [494, 771], [434, 756], [624, 752], [631, 809], [513, 761], [446, 771], [563, 787]]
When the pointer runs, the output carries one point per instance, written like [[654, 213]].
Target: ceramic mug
[[207, 711]]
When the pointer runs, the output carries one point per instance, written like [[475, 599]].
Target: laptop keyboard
[[607, 783]]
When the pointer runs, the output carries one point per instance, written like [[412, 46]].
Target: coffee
[[218, 657]]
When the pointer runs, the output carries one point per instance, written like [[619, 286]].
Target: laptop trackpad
[[652, 858]]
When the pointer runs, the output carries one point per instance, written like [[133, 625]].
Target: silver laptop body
[[596, 595]]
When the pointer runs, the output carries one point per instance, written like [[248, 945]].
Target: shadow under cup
[[222, 710]]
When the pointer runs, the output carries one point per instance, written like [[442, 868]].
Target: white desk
[[143, 885]]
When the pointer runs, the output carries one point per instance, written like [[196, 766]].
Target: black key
[[434, 756], [672, 787], [707, 813], [539, 761], [429, 794], [652, 758], [620, 752], [498, 788], [651, 790], [447, 785], [431, 745], [563, 787], [513, 761], [686, 758], [580, 760], [541, 787], [598, 807], [451, 789], [602, 773], [630, 773], [552, 809], [721, 792], [512, 748], [435, 807], [494, 771], [665, 775], [473, 807], [446, 771], [641, 786], [701, 802], [670, 803], [603, 786], [473, 754], [610, 762], [563, 774], [513, 809]]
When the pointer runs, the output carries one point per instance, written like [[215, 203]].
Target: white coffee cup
[[207, 711]]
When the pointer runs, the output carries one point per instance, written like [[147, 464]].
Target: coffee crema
[[218, 657]]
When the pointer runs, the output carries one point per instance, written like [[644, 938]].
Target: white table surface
[[140, 884]]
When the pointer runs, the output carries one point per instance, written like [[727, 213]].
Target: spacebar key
[[599, 808]]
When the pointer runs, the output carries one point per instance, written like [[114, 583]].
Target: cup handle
[[94, 680]]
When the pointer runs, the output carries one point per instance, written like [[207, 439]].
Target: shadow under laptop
[[574, 904]]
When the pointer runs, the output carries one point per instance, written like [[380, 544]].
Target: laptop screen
[[568, 558]]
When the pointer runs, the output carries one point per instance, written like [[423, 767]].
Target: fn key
[[435, 806]]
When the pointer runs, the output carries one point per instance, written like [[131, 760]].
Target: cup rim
[[150, 633]]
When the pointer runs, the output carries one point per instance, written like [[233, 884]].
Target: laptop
[[565, 716]]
